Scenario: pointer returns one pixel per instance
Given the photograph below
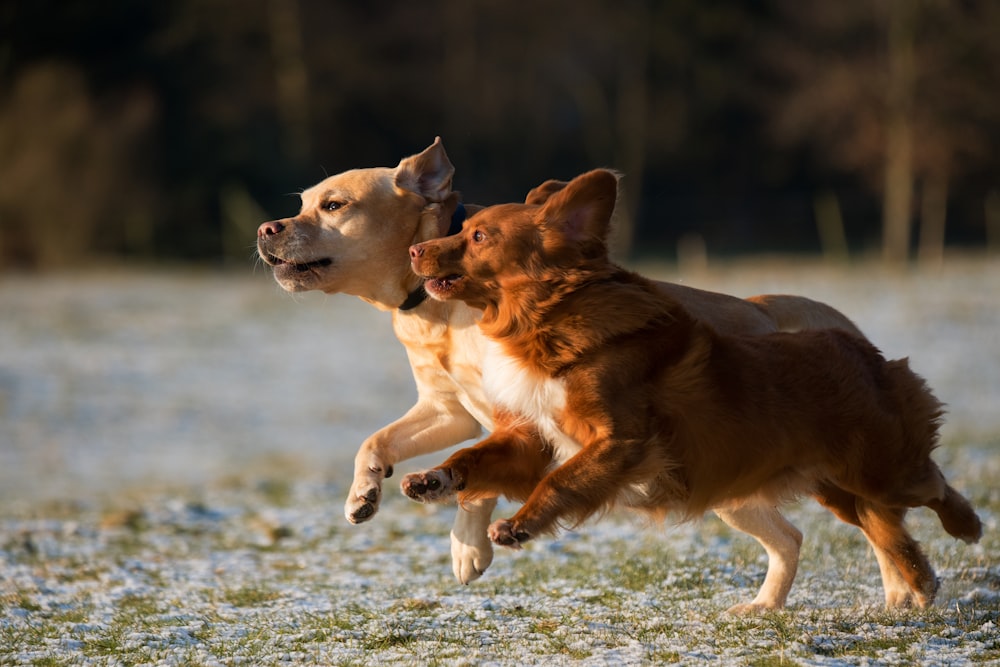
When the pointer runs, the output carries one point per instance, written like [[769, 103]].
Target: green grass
[[202, 583]]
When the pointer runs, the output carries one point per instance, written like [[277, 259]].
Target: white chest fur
[[538, 399]]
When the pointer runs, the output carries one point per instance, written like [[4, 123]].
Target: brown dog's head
[[503, 247], [353, 229]]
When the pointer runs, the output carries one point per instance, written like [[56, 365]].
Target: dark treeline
[[168, 130]]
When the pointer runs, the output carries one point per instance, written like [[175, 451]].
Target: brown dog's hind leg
[[844, 506], [782, 542], [883, 526]]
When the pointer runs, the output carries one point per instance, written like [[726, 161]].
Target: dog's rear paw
[[504, 533], [913, 599], [749, 609], [431, 486]]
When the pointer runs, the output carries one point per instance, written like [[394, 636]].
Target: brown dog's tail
[[795, 313], [957, 516], [924, 412]]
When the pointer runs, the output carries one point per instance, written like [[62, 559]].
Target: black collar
[[457, 218], [414, 298], [417, 296]]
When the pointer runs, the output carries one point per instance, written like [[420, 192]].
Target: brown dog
[[598, 370]]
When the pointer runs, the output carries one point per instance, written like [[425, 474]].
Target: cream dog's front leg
[[471, 549], [429, 425]]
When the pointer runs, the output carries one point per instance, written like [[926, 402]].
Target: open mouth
[[300, 267], [442, 286]]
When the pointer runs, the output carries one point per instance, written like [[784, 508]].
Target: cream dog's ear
[[581, 212], [428, 173]]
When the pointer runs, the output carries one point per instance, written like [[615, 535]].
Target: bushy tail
[[914, 398], [795, 313], [957, 516]]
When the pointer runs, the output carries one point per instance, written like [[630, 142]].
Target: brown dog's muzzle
[[433, 257], [417, 253], [439, 262]]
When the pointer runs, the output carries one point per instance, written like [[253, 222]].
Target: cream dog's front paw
[[365, 494]]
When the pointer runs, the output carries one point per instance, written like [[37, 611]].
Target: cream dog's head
[[353, 230]]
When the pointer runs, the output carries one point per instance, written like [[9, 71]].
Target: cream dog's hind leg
[[782, 542]]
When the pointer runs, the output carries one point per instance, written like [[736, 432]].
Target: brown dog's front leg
[[510, 463], [502, 532], [573, 491]]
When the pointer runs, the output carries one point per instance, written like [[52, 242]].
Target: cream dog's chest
[[540, 400]]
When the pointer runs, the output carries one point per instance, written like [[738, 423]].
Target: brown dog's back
[[744, 406]]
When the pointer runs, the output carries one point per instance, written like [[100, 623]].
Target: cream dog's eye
[[478, 236], [333, 205]]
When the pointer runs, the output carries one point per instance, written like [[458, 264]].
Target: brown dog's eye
[[478, 236], [333, 205]]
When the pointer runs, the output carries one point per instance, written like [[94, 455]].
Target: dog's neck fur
[[552, 324]]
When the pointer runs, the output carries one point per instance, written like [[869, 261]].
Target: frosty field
[[175, 449]]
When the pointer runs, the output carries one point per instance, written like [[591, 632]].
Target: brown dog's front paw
[[431, 486], [504, 533]]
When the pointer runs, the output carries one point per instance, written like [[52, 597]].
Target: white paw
[[469, 559], [471, 549], [904, 598], [749, 609]]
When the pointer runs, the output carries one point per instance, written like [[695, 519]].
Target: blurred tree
[[177, 119], [72, 182], [291, 75], [900, 91], [583, 83], [960, 109], [75, 134]]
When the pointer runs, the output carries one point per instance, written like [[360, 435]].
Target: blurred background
[[142, 143], [166, 131]]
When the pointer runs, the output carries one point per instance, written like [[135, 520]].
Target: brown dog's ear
[[540, 195], [428, 173], [582, 210]]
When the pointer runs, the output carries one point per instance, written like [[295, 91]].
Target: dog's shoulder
[[626, 300]]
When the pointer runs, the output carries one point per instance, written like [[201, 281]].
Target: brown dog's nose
[[416, 251], [270, 229]]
